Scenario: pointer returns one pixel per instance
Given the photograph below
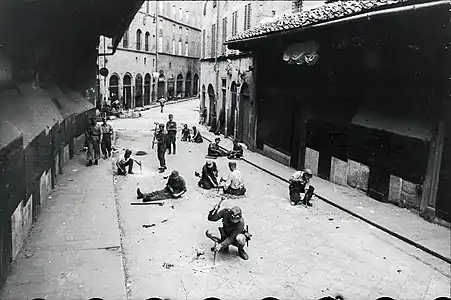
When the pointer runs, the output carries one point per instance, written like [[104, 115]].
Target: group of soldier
[[233, 231]]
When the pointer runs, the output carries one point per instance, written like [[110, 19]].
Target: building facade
[[157, 57], [227, 75]]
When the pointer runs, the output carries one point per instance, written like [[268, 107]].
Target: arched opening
[[127, 92], [212, 104], [147, 89], [179, 87], [196, 85], [171, 88], [202, 99], [244, 114], [161, 86], [114, 88], [138, 39], [138, 91], [188, 85], [232, 111], [146, 41]]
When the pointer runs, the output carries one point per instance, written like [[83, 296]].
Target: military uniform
[[171, 128], [175, 187], [107, 132], [161, 137], [209, 171], [93, 135], [300, 183]]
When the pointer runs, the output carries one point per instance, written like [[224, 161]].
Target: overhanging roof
[[328, 14]]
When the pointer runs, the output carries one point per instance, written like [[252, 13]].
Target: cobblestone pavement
[[295, 253]]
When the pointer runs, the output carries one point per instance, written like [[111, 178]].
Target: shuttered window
[[234, 22], [213, 40], [247, 16], [224, 35]]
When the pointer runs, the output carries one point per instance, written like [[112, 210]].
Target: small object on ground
[[70, 180], [200, 252], [172, 206], [399, 271], [148, 226], [168, 265], [164, 221], [141, 153], [337, 227], [331, 219], [147, 203]]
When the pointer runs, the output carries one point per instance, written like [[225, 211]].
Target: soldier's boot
[[307, 202], [139, 194], [96, 162], [89, 163], [243, 253]]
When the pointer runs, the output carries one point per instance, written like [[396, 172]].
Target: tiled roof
[[327, 12]]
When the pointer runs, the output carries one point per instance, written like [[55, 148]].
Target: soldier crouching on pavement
[[237, 151], [209, 177], [232, 231], [125, 160], [300, 183], [175, 188]]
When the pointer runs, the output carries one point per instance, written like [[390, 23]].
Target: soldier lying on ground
[[186, 135], [214, 150], [232, 230], [237, 151], [300, 183], [175, 188], [197, 138], [209, 177], [234, 184]]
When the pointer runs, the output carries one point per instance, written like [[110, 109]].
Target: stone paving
[[295, 253]]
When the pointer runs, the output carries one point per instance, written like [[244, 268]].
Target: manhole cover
[[141, 153]]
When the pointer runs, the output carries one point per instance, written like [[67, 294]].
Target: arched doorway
[[212, 103], [196, 85], [147, 89], [232, 112], [171, 87], [244, 114], [127, 91], [138, 91], [179, 87], [161, 86], [188, 85], [114, 88]]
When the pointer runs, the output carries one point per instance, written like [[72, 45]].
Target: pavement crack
[[184, 288]]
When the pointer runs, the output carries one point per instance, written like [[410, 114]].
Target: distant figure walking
[[161, 101]]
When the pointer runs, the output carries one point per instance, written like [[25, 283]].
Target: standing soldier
[[171, 128], [93, 137], [107, 133], [161, 137]]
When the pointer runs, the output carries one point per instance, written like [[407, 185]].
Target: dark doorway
[[232, 111], [147, 89], [139, 91], [127, 92], [196, 85], [171, 88], [212, 102], [179, 87], [161, 86], [114, 88], [188, 85], [443, 201], [244, 115]]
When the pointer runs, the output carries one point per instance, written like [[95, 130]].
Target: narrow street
[[295, 252]]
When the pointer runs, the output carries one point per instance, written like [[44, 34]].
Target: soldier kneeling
[[300, 183]]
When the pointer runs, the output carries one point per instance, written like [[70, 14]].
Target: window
[[173, 11], [187, 16], [180, 14], [138, 39], [153, 63], [186, 49], [215, 2], [247, 16], [153, 42], [160, 43], [297, 6], [170, 65], [224, 35], [187, 32], [147, 7], [173, 29], [203, 43], [205, 8], [145, 61], [234, 22], [213, 41], [160, 8], [180, 47], [146, 41], [194, 48], [173, 46], [180, 30], [125, 39]]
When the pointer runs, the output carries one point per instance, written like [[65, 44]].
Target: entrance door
[[127, 92], [161, 87], [443, 202], [231, 125], [212, 102], [244, 114]]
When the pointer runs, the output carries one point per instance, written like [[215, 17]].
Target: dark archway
[[212, 104], [161, 86], [179, 87], [147, 89], [138, 91], [196, 85], [113, 88], [171, 87], [188, 85], [127, 91], [244, 115], [232, 111], [202, 100]]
